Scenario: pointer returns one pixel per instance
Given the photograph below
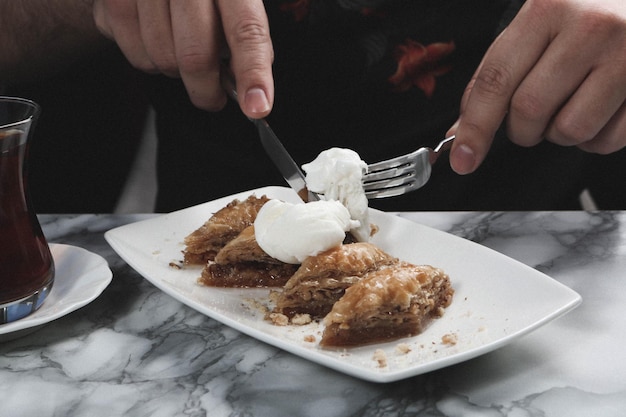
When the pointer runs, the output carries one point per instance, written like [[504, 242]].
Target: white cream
[[292, 232], [337, 173]]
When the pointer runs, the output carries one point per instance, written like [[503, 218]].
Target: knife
[[290, 171], [274, 148]]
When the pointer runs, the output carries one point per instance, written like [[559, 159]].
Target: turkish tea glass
[[26, 264]]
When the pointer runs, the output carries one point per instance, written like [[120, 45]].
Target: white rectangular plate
[[497, 299]]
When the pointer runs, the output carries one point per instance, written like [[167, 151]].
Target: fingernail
[[463, 159], [256, 101]]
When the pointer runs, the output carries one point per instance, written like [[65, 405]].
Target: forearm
[[41, 37]]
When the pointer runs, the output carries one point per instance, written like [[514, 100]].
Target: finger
[[558, 73], [247, 33], [468, 88], [197, 36], [504, 66], [591, 107], [156, 33], [119, 20], [611, 137]]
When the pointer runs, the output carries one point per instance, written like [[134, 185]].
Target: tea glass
[[26, 263]]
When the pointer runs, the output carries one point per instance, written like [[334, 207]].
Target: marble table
[[136, 351]]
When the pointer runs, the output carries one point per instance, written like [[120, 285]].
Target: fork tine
[[389, 183], [402, 174], [399, 180], [400, 171], [391, 191], [389, 163]]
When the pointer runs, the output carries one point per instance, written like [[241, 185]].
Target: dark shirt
[[85, 140], [381, 77]]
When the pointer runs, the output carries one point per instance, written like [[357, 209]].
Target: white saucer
[[80, 277]]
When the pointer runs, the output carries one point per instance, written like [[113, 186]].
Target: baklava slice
[[204, 243], [389, 303], [242, 263], [322, 279]]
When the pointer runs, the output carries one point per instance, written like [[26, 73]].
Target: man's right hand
[[189, 39]]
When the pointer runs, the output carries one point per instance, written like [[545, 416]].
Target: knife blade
[[274, 148], [288, 168]]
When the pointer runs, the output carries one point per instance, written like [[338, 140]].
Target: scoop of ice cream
[[292, 232], [337, 173]]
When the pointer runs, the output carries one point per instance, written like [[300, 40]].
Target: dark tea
[[26, 264]]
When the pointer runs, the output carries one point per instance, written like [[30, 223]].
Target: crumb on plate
[[403, 348], [301, 319], [279, 319], [449, 339], [175, 265], [380, 357]]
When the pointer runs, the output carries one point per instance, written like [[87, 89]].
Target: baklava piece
[[390, 303], [322, 279], [242, 263], [204, 243]]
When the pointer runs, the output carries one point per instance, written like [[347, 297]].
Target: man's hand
[[189, 39], [558, 73]]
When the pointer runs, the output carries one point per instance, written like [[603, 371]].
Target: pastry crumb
[[274, 295], [380, 357], [301, 319], [175, 265], [403, 348], [449, 339], [257, 305], [279, 319], [309, 338]]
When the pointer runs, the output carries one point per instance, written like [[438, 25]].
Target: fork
[[402, 174]]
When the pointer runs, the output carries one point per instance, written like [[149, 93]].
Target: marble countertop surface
[[136, 351]]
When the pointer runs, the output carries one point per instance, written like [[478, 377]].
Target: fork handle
[[443, 146]]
